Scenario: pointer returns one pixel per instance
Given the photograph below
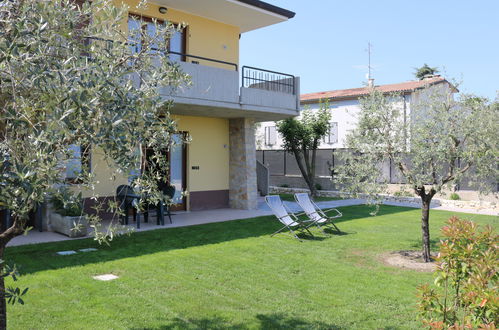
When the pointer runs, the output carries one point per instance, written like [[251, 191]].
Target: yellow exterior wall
[[205, 37], [107, 179], [209, 149]]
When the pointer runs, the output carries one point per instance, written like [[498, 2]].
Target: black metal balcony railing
[[183, 57], [267, 80]]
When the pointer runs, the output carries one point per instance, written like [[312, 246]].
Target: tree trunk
[[15, 230], [3, 302], [313, 189], [310, 181], [425, 228]]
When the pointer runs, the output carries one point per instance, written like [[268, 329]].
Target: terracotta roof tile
[[357, 92]]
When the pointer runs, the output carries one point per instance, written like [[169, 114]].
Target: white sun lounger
[[287, 218], [315, 213]]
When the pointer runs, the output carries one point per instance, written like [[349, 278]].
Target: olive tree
[[68, 77], [301, 137], [442, 142]]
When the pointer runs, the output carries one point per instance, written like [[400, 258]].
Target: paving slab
[[105, 277], [66, 253]]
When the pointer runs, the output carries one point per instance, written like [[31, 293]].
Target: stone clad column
[[242, 168]]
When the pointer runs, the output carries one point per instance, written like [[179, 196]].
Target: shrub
[[455, 197], [467, 275], [318, 186], [402, 193], [284, 185], [67, 203]]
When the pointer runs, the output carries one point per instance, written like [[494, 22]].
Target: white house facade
[[345, 106]]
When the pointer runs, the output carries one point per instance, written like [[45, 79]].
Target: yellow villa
[[218, 112]]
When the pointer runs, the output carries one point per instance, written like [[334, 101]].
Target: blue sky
[[325, 42]]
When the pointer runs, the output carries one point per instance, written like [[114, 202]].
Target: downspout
[[405, 121]]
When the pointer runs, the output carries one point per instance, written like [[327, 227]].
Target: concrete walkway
[[182, 219]]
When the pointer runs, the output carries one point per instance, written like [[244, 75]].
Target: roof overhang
[[344, 98], [362, 94], [248, 15]]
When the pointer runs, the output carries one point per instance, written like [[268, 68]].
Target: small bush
[[318, 186], [468, 276], [402, 193], [455, 197], [284, 185], [67, 203]]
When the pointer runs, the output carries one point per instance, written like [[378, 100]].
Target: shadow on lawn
[[334, 232], [270, 321], [39, 257], [434, 244]]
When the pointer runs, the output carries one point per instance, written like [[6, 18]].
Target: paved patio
[[182, 219]]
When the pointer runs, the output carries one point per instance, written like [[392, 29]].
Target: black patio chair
[[125, 196], [169, 191], [161, 208]]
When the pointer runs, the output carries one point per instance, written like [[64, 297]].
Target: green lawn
[[230, 275], [291, 198]]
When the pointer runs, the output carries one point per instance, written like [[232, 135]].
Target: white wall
[[342, 112]]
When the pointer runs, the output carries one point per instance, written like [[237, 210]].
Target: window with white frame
[[138, 25], [270, 135]]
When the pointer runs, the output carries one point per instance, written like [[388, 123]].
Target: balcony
[[222, 90]]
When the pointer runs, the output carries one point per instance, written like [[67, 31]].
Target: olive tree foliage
[[301, 137], [68, 77], [441, 142]]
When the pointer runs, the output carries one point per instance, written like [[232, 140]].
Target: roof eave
[[353, 97], [268, 7]]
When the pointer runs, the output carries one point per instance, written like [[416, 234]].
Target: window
[[176, 44], [79, 162], [333, 133], [270, 135]]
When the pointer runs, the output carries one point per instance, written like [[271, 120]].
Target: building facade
[[218, 111], [345, 106]]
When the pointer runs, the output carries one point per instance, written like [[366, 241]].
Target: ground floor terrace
[[231, 275], [214, 166], [200, 217]]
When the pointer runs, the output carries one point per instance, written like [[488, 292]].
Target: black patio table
[[160, 208]]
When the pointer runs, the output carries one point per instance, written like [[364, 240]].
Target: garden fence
[[281, 163]]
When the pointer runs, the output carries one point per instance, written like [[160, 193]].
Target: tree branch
[[405, 171], [449, 178], [299, 161], [314, 151], [11, 232]]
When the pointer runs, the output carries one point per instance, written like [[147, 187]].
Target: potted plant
[[67, 217]]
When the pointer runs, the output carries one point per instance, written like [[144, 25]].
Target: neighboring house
[[218, 112], [344, 105]]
